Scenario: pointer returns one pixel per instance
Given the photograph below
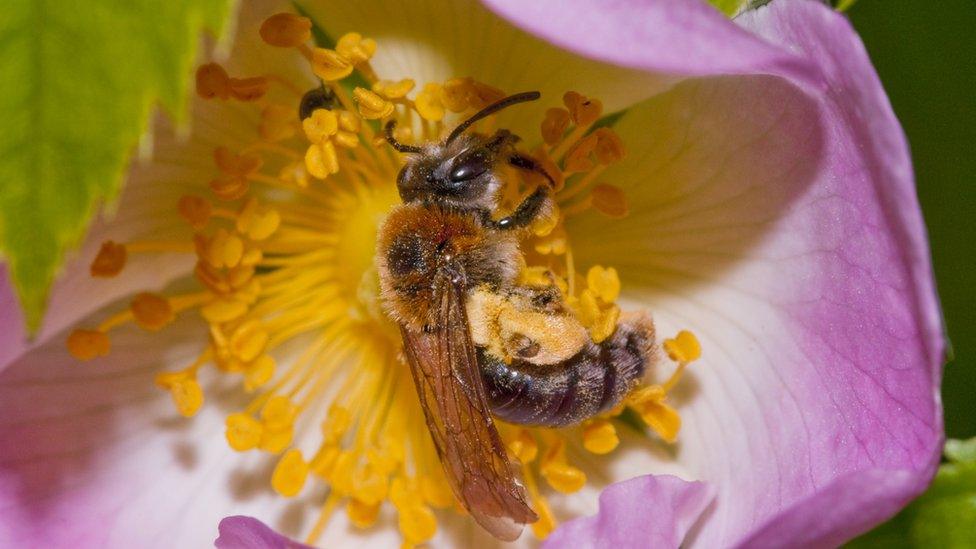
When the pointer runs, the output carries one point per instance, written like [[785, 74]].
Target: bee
[[479, 344]]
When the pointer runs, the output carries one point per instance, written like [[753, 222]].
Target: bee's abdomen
[[590, 382]]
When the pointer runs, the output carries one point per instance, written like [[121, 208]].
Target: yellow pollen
[[322, 160], [110, 260], [290, 474]]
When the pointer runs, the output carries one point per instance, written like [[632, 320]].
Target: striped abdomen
[[591, 382]]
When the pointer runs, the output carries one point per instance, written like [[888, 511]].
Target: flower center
[[285, 241]]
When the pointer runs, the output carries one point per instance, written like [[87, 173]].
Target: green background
[[925, 53]]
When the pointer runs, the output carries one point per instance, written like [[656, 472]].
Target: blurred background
[[925, 53]]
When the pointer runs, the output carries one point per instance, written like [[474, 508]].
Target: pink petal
[[779, 222], [678, 37], [651, 511], [240, 532]]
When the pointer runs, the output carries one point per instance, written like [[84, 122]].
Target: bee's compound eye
[[316, 98], [469, 167]]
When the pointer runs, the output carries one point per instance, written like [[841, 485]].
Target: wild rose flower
[[765, 203]]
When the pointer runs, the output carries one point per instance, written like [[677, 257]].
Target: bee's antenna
[[400, 147], [492, 109]]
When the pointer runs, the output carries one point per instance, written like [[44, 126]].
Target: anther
[[428, 103], [259, 372], [609, 200], [371, 105], [609, 147], [151, 311], [683, 348], [249, 89], [394, 89], [195, 210], [417, 523], [184, 389], [88, 344], [321, 125], [212, 81], [600, 436], [329, 65], [604, 282], [290, 474], [554, 125], [362, 515], [243, 431], [584, 111], [109, 261], [322, 160], [232, 163], [286, 30], [355, 48]]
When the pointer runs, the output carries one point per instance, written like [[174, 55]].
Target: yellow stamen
[[290, 474]]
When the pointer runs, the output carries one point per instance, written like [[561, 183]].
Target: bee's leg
[[536, 203], [526, 213]]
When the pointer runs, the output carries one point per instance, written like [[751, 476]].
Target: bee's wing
[[445, 370]]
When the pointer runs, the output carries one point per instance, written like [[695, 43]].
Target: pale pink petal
[[780, 224], [240, 532], [647, 511]]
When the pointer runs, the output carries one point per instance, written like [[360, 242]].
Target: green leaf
[[79, 81], [944, 516], [728, 7]]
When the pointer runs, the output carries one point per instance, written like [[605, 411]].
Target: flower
[[769, 209]]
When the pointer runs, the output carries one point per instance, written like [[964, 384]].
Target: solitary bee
[[479, 344]]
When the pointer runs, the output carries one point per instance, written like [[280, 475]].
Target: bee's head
[[459, 171]]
